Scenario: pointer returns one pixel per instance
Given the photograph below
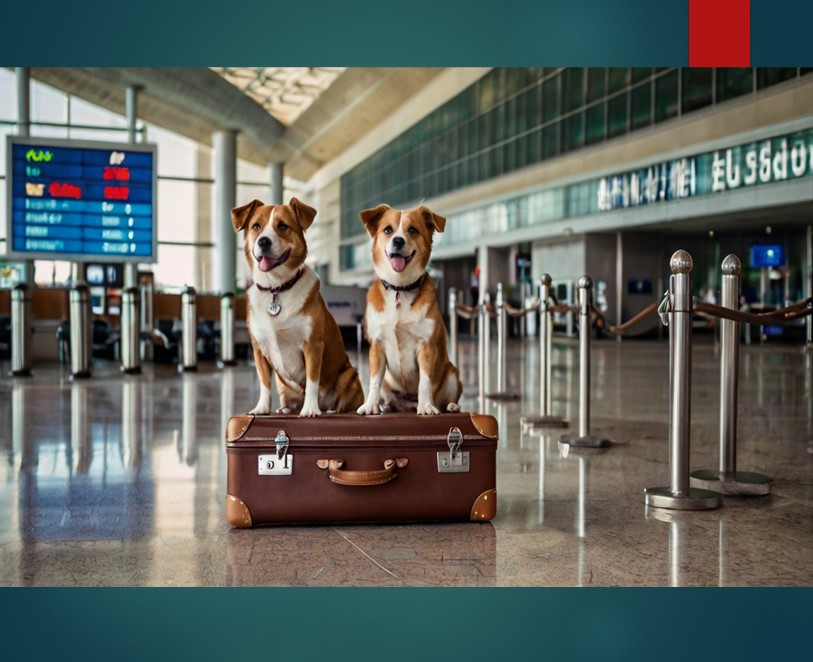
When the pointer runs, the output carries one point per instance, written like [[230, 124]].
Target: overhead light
[[768, 229], [711, 234]]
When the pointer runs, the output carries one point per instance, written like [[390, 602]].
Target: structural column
[[224, 238], [131, 104], [24, 130], [275, 189]]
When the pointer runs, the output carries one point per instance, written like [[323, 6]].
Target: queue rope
[[787, 314], [471, 312]]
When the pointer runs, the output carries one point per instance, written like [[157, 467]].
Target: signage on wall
[[762, 162], [665, 181], [72, 200]]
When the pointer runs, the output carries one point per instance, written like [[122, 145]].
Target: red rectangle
[[719, 33]]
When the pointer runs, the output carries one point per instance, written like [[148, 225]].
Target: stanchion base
[[226, 364], [502, 396], [188, 368], [584, 442], [131, 371], [529, 423], [737, 483], [85, 374], [566, 451], [694, 499], [26, 372]]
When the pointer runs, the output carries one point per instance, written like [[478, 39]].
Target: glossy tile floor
[[120, 481]]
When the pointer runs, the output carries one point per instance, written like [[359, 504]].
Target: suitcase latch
[[281, 443], [455, 461], [280, 464]]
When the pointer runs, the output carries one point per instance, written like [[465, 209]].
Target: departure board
[[71, 200]]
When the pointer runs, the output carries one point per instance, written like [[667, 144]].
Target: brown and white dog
[[293, 334], [409, 364]]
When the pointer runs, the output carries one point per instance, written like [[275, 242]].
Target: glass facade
[[775, 159], [185, 187], [512, 118]]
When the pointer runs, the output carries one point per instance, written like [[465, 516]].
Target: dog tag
[[274, 308]]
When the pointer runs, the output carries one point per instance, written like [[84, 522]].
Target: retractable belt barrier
[[227, 330], [189, 331]]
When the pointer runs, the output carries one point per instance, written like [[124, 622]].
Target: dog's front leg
[[427, 354], [264, 372], [313, 351], [378, 364]]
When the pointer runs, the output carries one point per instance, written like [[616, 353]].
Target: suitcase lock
[[281, 464], [455, 461]]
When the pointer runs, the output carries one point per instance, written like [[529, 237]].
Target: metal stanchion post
[[585, 439], [81, 339], [130, 331], [502, 358], [453, 325], [227, 330], [483, 375], [546, 418], [189, 332], [485, 328], [728, 480], [147, 323], [20, 331], [679, 495]]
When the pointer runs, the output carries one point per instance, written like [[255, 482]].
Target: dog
[[292, 333], [409, 364]]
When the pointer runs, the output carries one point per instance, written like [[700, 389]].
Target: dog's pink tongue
[[398, 263], [266, 263]]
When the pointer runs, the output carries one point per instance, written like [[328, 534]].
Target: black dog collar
[[280, 288], [402, 288]]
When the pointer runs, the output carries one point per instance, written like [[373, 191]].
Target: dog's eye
[[256, 226], [412, 231], [388, 230], [282, 227]]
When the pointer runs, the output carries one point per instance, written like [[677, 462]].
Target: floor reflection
[[120, 480]]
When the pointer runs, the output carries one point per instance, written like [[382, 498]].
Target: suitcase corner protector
[[237, 512], [485, 507], [486, 425], [238, 426]]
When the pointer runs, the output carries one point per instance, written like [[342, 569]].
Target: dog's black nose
[[398, 242], [264, 243]]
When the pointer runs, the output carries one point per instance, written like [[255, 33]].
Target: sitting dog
[[409, 364], [292, 332]]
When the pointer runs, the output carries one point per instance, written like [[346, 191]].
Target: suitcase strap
[[362, 478]]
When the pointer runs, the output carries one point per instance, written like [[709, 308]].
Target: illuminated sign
[[70, 200], [671, 180], [766, 161]]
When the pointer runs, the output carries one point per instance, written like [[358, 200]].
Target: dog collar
[[402, 288], [274, 308]]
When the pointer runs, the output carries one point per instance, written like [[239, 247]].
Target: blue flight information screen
[[72, 200]]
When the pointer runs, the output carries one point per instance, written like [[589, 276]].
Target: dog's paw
[[310, 412], [427, 410], [453, 407], [284, 410], [369, 408], [260, 411]]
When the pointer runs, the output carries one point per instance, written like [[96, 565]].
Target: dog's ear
[[241, 215], [304, 214], [371, 218], [433, 220]]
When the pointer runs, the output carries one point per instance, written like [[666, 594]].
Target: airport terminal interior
[[124, 348]]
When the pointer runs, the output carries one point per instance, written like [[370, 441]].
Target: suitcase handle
[[362, 478]]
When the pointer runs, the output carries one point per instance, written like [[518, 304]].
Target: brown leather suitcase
[[283, 469]]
